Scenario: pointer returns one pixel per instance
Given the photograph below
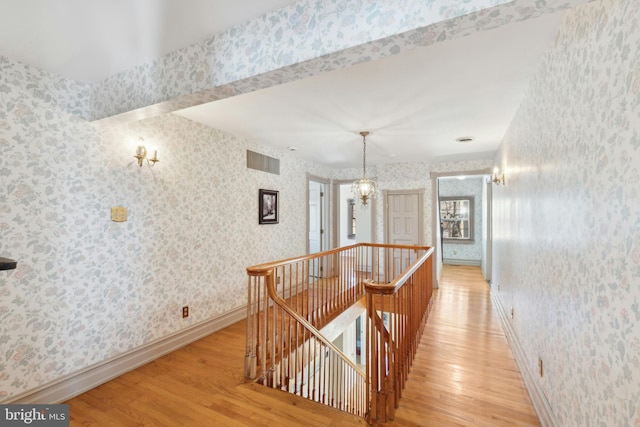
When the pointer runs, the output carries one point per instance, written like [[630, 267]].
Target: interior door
[[404, 225], [487, 235], [317, 218]]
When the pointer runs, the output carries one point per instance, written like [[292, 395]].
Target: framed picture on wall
[[268, 207], [456, 219]]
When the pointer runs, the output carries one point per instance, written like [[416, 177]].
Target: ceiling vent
[[263, 163]]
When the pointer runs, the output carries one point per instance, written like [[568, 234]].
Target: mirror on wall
[[456, 219]]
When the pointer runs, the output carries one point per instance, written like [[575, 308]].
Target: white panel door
[[404, 225], [315, 217], [317, 224]]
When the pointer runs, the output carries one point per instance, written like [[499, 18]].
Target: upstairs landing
[[463, 375]]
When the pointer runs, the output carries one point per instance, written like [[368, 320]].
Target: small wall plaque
[[119, 214]]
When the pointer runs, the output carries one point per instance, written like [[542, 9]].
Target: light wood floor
[[463, 375]]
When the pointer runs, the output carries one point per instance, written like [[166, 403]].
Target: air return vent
[[263, 163]]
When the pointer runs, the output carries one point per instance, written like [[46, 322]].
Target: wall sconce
[[141, 154], [498, 178]]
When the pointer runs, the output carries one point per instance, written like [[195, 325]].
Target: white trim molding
[[455, 261], [540, 402], [72, 385]]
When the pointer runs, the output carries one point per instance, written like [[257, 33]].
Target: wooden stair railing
[[313, 367], [391, 347], [318, 287], [290, 300]]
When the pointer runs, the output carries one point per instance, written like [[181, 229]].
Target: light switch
[[119, 214]]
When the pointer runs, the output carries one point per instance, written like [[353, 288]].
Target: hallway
[[463, 375]]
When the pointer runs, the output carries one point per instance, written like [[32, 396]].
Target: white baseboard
[[540, 402], [454, 261], [71, 385]]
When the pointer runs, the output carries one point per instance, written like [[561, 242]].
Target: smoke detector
[[465, 139]]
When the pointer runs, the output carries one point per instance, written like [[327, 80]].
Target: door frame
[[335, 187], [420, 193], [387, 229], [488, 223], [435, 214], [324, 212]]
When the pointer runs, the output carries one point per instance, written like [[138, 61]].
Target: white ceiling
[[415, 104], [89, 40]]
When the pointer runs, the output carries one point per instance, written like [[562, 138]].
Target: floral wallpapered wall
[[566, 225], [80, 275], [305, 30], [87, 289], [304, 39], [66, 94], [467, 187]]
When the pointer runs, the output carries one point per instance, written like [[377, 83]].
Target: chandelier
[[364, 188]]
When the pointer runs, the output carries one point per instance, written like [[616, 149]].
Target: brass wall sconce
[[499, 178], [141, 154]]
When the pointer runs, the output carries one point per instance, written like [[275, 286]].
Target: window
[[351, 219], [456, 219]]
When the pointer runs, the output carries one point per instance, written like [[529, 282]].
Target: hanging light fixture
[[364, 188]]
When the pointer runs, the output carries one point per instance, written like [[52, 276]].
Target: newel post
[[257, 312]]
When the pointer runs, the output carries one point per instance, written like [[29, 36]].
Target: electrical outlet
[[540, 367], [185, 311]]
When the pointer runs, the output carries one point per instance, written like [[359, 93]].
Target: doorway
[[404, 218], [317, 222], [404, 223], [317, 215], [354, 223], [483, 235]]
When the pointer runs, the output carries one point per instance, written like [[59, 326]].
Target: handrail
[[290, 300], [355, 403], [391, 351], [391, 288], [283, 304], [262, 269]]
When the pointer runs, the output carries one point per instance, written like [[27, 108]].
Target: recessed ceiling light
[[292, 148], [465, 139]]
